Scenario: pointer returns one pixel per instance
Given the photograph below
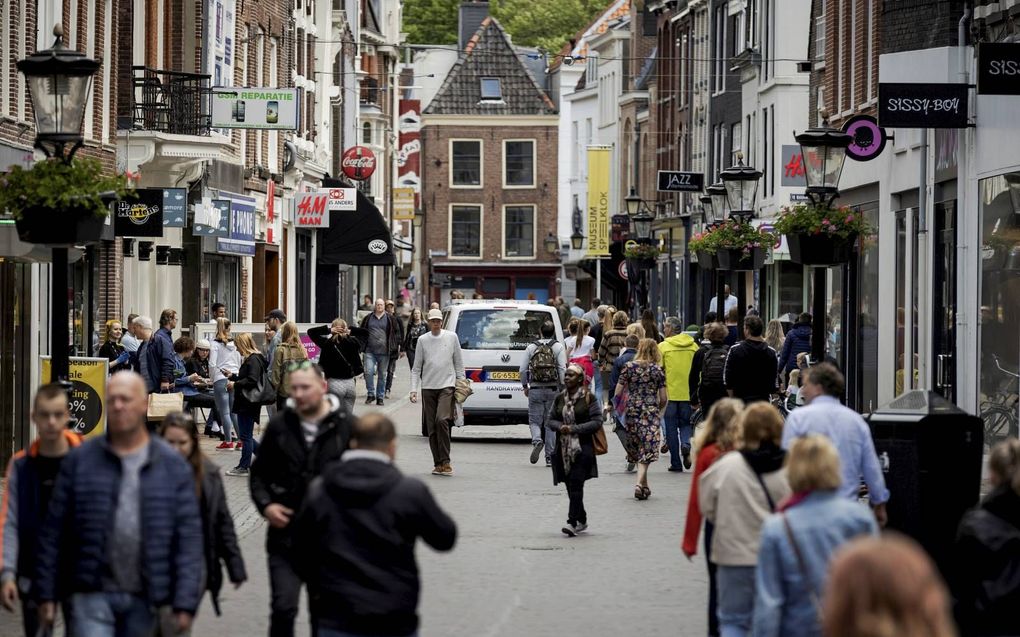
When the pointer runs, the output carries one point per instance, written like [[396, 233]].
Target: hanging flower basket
[[741, 258], [820, 249], [642, 264], [65, 228], [707, 259]]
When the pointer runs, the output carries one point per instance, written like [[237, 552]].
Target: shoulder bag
[[598, 439], [802, 565], [263, 393]]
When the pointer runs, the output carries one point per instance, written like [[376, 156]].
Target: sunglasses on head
[[293, 366]]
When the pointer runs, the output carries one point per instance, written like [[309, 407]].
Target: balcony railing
[[170, 101]]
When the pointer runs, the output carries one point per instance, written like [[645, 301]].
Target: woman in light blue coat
[[798, 540]]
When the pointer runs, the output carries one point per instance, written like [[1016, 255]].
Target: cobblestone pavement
[[512, 573]]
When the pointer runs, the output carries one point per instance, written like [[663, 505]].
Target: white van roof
[[501, 302]]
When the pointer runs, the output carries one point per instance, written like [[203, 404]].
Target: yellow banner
[[88, 393], [598, 202]]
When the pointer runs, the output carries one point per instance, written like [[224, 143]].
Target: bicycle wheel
[[1000, 423], [697, 419]]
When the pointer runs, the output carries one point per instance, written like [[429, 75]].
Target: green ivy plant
[[52, 184], [732, 235], [843, 222], [642, 251]]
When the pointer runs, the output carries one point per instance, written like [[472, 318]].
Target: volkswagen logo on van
[[505, 358]]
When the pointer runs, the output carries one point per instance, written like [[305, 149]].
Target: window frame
[[481, 89], [534, 232], [481, 164], [481, 231], [534, 166]]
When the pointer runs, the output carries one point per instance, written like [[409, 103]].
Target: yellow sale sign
[[88, 392]]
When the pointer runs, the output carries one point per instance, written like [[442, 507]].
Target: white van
[[493, 336]]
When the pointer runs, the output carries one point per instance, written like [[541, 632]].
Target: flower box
[[741, 259], [71, 227], [642, 264], [820, 249], [707, 260]]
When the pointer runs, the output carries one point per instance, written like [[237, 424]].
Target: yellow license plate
[[503, 376]]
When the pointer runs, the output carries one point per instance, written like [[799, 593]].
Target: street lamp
[[551, 243], [59, 80], [577, 239], [632, 203], [824, 151], [419, 218], [707, 212], [741, 183], [720, 201]]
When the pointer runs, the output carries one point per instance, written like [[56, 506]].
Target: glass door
[[944, 299]]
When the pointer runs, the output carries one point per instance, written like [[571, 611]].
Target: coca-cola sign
[[358, 163]]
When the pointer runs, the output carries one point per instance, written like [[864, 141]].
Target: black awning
[[358, 237]]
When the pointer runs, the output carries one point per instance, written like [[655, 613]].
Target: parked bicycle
[[999, 409]]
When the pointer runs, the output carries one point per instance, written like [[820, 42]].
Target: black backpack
[[712, 366], [542, 367]]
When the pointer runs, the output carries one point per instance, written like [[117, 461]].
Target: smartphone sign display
[[255, 108]]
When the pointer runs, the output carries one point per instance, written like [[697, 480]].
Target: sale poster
[[88, 393]]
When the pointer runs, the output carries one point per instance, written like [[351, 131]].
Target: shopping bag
[[162, 404], [458, 419]]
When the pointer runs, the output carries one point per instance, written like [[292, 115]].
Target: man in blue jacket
[[123, 532], [160, 353]]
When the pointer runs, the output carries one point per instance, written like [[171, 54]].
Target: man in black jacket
[[298, 444], [751, 370], [355, 539]]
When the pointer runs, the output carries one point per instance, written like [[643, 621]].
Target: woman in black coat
[[340, 358], [253, 371], [218, 535], [986, 585], [576, 416]]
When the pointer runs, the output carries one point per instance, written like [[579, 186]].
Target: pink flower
[[849, 218], [825, 222]]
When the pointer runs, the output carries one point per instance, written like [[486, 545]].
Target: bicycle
[[999, 410]]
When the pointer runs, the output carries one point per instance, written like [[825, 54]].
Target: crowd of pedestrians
[[124, 533]]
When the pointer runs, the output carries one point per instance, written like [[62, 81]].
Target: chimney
[[471, 16]]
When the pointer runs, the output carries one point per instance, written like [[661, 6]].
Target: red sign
[[270, 209], [358, 163], [311, 211]]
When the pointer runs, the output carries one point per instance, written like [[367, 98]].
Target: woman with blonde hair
[[774, 335], [340, 358], [644, 383], [288, 351], [798, 540], [243, 384], [736, 494], [986, 580], [885, 587], [613, 342], [112, 350], [224, 361], [720, 434], [636, 329]]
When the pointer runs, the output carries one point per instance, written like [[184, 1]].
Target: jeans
[[678, 421], [575, 491], [540, 403], [391, 367], [225, 408], [246, 432], [111, 615], [596, 386], [735, 587], [285, 589], [329, 632], [376, 365], [345, 390]]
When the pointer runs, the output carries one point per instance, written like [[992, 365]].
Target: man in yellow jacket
[[678, 351]]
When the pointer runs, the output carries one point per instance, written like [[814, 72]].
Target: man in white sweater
[[437, 368]]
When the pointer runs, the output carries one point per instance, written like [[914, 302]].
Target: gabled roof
[[490, 54], [578, 46]]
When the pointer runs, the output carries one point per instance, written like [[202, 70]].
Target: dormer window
[[491, 90]]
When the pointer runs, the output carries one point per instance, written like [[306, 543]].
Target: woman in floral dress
[[645, 385]]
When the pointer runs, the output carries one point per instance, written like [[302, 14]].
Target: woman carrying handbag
[[576, 420], [251, 389], [340, 358]]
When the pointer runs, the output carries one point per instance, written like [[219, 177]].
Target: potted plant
[[60, 203], [741, 246], [642, 255], [819, 235], [702, 245]]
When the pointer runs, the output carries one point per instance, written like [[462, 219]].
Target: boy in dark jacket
[[311, 432], [124, 519], [798, 340], [355, 539], [31, 477]]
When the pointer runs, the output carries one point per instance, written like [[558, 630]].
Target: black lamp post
[[741, 184], [824, 151], [59, 82], [577, 239], [641, 219], [720, 201]]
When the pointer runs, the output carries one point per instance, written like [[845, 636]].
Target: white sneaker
[[569, 530], [580, 527]]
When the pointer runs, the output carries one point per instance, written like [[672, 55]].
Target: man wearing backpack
[[542, 370], [678, 350], [706, 380]]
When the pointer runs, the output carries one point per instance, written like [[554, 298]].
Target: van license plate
[[514, 375]]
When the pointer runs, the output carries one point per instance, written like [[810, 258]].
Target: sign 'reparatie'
[[256, 108], [923, 105]]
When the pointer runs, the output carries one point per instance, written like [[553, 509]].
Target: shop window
[[219, 284], [1000, 306], [465, 162], [518, 163], [519, 232], [867, 318], [496, 287], [466, 231]]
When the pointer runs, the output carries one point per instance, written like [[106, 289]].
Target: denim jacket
[[785, 599]]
